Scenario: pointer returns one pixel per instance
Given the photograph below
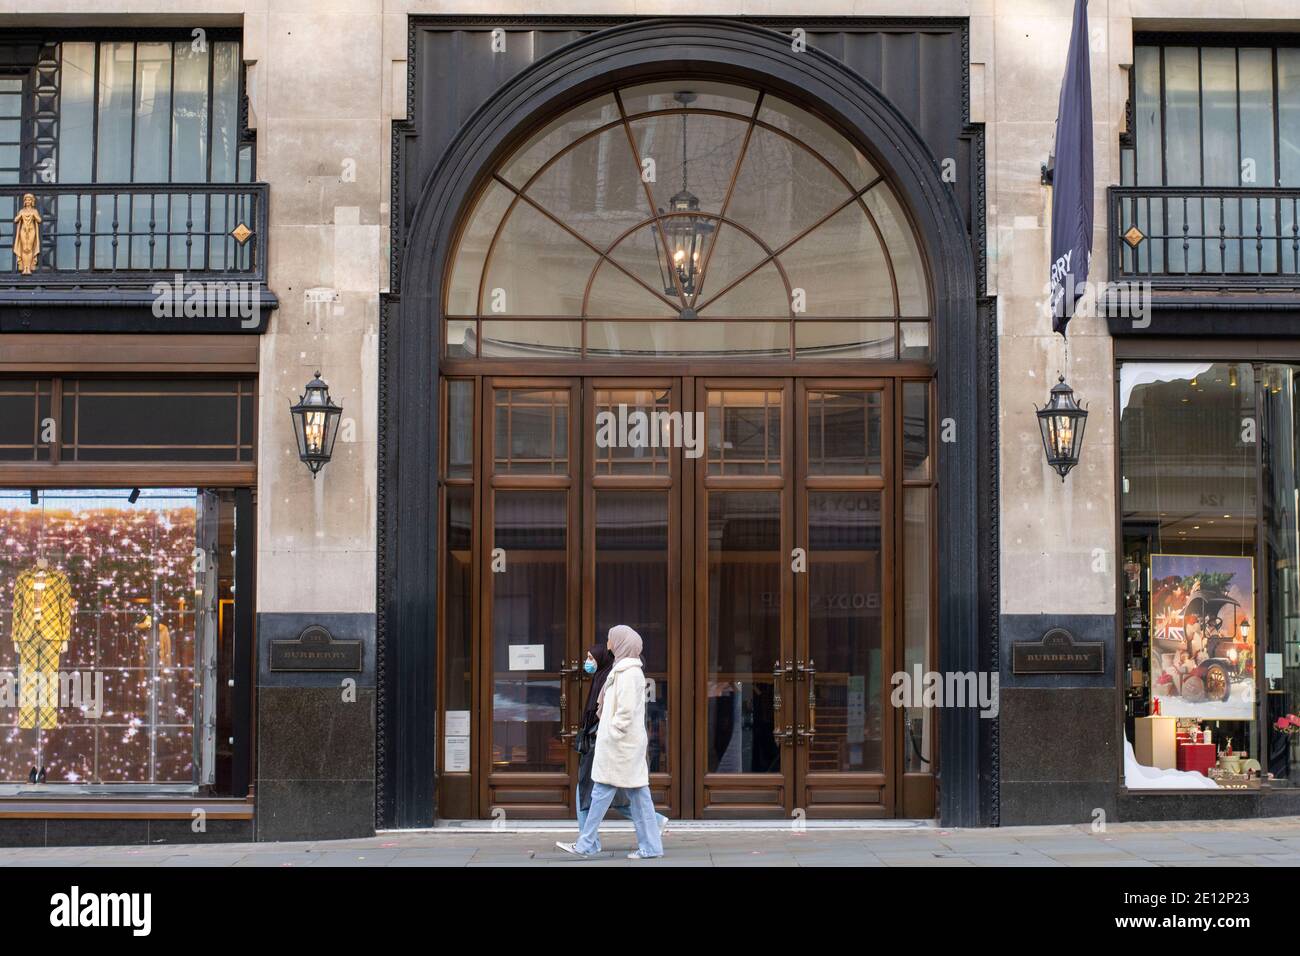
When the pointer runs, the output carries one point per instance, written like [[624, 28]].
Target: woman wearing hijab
[[599, 662], [620, 761]]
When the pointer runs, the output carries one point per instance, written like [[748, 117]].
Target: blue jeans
[[643, 818], [625, 812]]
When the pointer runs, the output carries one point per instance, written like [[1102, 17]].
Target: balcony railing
[[137, 233], [1212, 237]]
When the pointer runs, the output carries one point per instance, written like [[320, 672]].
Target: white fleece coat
[[621, 740]]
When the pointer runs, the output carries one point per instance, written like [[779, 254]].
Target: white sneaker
[[636, 855], [573, 848], [663, 823]]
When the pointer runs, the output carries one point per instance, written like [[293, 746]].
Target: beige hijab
[[623, 642]]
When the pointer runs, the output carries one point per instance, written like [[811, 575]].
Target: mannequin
[[42, 624], [164, 640]]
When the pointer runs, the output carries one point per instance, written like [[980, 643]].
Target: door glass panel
[[460, 428], [528, 631], [744, 432], [459, 612], [632, 589], [845, 631], [744, 620], [634, 430], [916, 430], [916, 623], [844, 433], [532, 431]]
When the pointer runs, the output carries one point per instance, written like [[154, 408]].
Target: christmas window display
[[1193, 664], [109, 631]]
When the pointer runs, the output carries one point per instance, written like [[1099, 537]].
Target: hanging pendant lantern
[[1062, 421], [684, 229]]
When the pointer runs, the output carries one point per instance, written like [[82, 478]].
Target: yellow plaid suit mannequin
[[42, 624]]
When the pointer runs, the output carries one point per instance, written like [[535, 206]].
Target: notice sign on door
[[455, 754], [457, 723], [528, 657]]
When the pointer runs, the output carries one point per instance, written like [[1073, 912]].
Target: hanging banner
[[1072, 185]]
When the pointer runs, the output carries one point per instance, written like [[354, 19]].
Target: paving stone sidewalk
[[1273, 842]]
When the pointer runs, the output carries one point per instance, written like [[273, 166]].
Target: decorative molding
[[993, 551], [381, 568]]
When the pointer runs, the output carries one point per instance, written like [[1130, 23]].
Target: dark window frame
[[40, 470], [244, 138]]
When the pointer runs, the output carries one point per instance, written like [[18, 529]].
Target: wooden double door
[[745, 528]]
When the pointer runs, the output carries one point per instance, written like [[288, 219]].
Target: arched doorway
[[674, 245]]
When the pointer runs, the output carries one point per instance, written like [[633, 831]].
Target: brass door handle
[[809, 671], [778, 674], [565, 670]]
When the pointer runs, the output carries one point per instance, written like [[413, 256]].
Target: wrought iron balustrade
[[1205, 237], [136, 233]]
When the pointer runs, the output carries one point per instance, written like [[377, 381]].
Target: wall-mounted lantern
[[1062, 421], [315, 424]]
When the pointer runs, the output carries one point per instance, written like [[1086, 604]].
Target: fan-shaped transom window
[[683, 217]]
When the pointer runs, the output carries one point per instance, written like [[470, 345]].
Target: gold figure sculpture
[[27, 235]]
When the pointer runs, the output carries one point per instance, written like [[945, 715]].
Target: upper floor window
[[142, 110], [1210, 165], [687, 218], [121, 157], [1215, 116]]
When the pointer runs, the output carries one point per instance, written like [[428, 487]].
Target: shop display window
[[1211, 553], [116, 628], [1189, 500]]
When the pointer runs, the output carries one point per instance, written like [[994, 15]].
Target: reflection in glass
[[916, 430], [844, 433], [1280, 429], [842, 268], [76, 115], [529, 613], [857, 340], [190, 118], [744, 432], [119, 596], [116, 75], [786, 179], [460, 428], [744, 620], [225, 112], [752, 339], [917, 731], [846, 630], [536, 268], [524, 339], [641, 416], [1188, 486], [471, 253], [915, 343], [460, 338], [459, 604], [532, 431], [632, 589]]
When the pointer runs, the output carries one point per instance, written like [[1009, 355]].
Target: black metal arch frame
[[708, 49]]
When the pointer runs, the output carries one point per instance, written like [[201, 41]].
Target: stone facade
[[327, 78]]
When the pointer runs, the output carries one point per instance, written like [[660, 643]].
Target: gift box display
[[1197, 757]]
